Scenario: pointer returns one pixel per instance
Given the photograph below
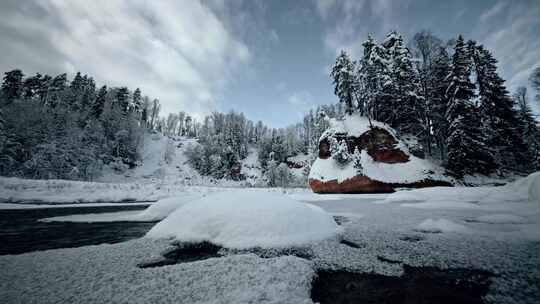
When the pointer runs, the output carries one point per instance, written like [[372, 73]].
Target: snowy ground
[[494, 229]]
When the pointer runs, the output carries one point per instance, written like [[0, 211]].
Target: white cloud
[[348, 22], [493, 11], [177, 51], [512, 38]]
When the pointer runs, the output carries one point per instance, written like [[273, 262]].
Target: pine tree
[[343, 76], [12, 85], [467, 150]]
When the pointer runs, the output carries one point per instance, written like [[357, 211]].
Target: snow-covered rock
[[246, 219], [378, 160]]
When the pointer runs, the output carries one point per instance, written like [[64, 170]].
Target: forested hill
[[56, 128]]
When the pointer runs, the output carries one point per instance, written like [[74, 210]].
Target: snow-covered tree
[[439, 99], [497, 110], [535, 82], [357, 161], [343, 77], [339, 151], [467, 150]]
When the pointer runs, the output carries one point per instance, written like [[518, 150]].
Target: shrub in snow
[[357, 161], [339, 151], [247, 219]]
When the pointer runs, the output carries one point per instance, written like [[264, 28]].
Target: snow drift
[[247, 219]]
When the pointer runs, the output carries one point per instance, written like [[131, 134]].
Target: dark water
[[419, 285], [20, 230]]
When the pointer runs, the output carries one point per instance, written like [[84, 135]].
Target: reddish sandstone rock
[[385, 161], [356, 184]]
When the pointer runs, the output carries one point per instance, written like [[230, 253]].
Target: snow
[[440, 225], [354, 125], [63, 191], [154, 212], [247, 219], [108, 274], [94, 217], [328, 169], [164, 163], [14, 206], [501, 218], [472, 238], [251, 168], [441, 205], [529, 187], [414, 170], [522, 190], [164, 207]]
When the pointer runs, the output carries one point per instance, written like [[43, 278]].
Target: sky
[[269, 59]]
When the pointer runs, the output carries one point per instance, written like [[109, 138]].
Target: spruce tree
[[408, 108], [528, 128], [374, 80], [497, 111], [439, 99], [467, 150], [343, 76]]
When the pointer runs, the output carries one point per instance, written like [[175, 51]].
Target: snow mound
[[247, 219], [164, 207], [528, 187], [501, 218], [415, 170], [440, 225]]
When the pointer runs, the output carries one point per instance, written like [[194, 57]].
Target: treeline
[[55, 128], [225, 140], [448, 95]]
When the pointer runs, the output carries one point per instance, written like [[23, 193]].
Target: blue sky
[[268, 59]]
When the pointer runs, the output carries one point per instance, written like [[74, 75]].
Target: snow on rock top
[[247, 219], [353, 125]]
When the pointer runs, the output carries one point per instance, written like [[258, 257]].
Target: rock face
[[378, 142], [381, 162]]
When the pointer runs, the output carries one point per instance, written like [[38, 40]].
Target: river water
[[20, 230]]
